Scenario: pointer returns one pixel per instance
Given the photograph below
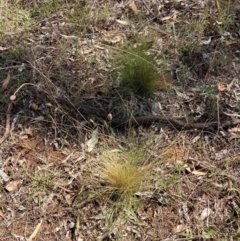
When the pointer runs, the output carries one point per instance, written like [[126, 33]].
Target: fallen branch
[[139, 120], [87, 111], [142, 120]]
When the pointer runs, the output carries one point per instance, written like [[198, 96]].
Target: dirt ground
[[64, 113]]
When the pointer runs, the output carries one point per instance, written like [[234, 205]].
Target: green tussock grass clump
[[138, 71]]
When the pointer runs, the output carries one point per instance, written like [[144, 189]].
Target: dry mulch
[[50, 184]]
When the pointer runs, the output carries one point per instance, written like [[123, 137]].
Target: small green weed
[[188, 48], [219, 60], [208, 91], [15, 52], [44, 9], [209, 94], [42, 181], [218, 16], [173, 180], [80, 15]]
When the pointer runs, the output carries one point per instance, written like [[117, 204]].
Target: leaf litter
[[194, 182]]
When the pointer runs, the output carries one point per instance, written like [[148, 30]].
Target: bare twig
[[8, 124]]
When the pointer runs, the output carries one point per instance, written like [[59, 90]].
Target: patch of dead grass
[[121, 176]]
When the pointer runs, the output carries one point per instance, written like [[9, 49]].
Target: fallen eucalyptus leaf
[[180, 228], [206, 42], [4, 176], [123, 22], [205, 213], [134, 8], [36, 231], [3, 48], [11, 186], [91, 143], [6, 82]]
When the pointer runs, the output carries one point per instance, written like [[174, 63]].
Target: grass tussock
[[123, 174], [138, 71]]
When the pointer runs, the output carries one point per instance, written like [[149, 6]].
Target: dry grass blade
[[35, 232]]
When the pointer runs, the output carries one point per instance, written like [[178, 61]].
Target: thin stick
[[8, 124]]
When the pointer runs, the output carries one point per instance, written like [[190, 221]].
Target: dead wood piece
[[141, 120], [174, 123]]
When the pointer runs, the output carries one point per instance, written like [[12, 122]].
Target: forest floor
[[83, 156]]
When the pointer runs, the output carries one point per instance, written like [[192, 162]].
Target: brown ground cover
[[119, 120]]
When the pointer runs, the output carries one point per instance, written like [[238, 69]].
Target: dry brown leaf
[[198, 173], [123, 22], [35, 232], [6, 82], [116, 39], [69, 37], [166, 18], [34, 106], [99, 47], [11, 186], [205, 213], [23, 137], [195, 172], [68, 199], [134, 8], [233, 137], [234, 129], [29, 131], [174, 16], [86, 51], [4, 176], [3, 48], [232, 114], [2, 214], [230, 42], [221, 87], [112, 39], [180, 228], [159, 106]]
